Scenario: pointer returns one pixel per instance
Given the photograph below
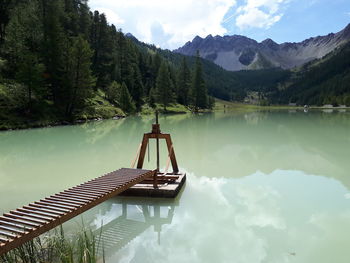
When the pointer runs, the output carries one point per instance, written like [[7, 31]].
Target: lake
[[261, 186]]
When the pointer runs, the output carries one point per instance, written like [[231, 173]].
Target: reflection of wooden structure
[[120, 231], [24, 224]]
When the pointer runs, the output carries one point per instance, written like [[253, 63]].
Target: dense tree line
[[57, 54]]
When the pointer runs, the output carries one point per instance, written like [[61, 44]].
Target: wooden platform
[[167, 188], [24, 224]]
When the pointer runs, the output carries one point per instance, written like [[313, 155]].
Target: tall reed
[[84, 247]]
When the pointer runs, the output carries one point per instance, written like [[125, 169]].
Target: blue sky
[[171, 23]]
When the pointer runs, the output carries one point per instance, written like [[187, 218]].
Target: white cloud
[[112, 16], [168, 23], [259, 13], [256, 18]]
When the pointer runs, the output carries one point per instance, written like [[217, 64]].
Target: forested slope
[[60, 61], [323, 81]]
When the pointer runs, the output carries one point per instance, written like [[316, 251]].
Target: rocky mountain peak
[[197, 39], [269, 43]]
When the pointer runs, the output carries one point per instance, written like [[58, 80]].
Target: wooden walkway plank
[[48, 203], [75, 198], [25, 223], [13, 230], [44, 209], [14, 219]]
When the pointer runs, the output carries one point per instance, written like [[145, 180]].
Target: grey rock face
[[241, 53]]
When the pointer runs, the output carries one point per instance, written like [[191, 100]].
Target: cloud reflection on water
[[280, 217]]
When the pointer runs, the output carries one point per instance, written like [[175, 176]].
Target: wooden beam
[[145, 142], [171, 153]]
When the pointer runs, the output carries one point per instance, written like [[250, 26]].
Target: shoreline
[[219, 107], [239, 105], [23, 124], [37, 125]]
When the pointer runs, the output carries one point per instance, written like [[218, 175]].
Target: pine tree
[[149, 75], [156, 63], [125, 100], [116, 67], [152, 98], [54, 45], [113, 91], [71, 17], [24, 32], [4, 17], [131, 74], [103, 46], [30, 74], [199, 94], [22, 47], [84, 19], [183, 83], [78, 75], [164, 86]]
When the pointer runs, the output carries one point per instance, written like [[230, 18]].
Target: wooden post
[[172, 153], [143, 151], [155, 184], [157, 138]]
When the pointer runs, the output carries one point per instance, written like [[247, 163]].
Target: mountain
[[237, 52]]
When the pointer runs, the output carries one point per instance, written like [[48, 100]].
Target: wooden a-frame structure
[[156, 134]]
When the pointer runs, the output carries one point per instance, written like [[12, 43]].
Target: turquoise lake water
[[261, 186]]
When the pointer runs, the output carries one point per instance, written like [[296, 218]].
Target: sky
[[171, 23]]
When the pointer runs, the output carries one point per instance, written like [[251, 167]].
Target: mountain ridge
[[238, 52]]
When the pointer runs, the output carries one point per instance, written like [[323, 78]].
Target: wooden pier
[[24, 224]]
